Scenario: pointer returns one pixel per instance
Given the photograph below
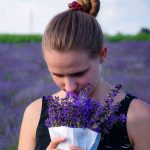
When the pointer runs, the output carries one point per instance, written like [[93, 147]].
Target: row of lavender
[[24, 78]]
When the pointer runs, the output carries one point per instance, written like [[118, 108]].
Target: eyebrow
[[72, 74]]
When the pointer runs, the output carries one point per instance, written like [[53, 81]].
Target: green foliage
[[16, 38], [143, 35], [121, 37], [145, 30]]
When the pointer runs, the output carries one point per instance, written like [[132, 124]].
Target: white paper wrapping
[[84, 138]]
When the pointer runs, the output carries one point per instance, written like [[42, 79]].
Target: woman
[[73, 50]]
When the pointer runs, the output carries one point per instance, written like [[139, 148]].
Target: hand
[[53, 144]]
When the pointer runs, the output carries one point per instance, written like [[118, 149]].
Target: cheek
[[87, 78], [93, 76], [58, 81]]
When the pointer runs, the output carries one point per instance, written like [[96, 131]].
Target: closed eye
[[74, 75], [58, 75], [78, 74]]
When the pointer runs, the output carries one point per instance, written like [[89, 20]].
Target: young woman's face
[[71, 71]]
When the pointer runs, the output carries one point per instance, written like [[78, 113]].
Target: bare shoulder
[[139, 109], [29, 125], [138, 123], [34, 108]]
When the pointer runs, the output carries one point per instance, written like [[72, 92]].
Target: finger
[[48, 148], [73, 147], [56, 141]]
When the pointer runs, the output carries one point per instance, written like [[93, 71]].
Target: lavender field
[[24, 78]]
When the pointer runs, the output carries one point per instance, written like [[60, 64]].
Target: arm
[[29, 124], [138, 125]]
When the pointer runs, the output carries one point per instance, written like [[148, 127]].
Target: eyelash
[[79, 74], [75, 75], [60, 76]]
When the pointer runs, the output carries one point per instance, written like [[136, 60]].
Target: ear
[[102, 54]]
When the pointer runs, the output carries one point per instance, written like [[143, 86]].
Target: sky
[[32, 16]]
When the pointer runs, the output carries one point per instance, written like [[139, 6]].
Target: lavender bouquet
[[81, 119]]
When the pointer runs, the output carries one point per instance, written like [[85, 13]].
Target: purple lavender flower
[[80, 111]]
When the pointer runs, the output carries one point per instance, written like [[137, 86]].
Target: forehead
[[67, 61]]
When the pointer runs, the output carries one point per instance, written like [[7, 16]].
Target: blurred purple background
[[24, 78]]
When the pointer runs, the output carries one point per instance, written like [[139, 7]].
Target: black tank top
[[117, 139]]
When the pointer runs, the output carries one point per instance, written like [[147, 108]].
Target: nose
[[70, 84]]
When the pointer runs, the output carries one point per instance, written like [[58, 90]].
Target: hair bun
[[91, 6]]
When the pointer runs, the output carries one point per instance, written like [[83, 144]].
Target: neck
[[101, 90]]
